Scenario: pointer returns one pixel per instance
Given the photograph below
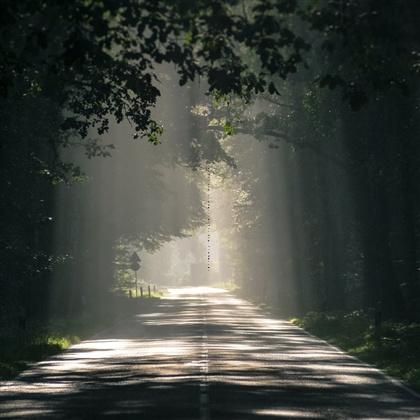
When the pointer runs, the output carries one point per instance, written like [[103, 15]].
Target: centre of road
[[204, 366]]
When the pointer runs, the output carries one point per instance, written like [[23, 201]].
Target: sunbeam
[[209, 209]]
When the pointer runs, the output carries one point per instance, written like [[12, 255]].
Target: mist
[[209, 209]]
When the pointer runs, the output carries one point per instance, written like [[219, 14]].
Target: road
[[204, 354]]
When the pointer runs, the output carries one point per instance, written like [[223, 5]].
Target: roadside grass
[[396, 350], [42, 341]]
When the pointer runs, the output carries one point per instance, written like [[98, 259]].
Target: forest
[[300, 118]]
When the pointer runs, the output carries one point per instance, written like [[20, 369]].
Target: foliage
[[97, 59], [370, 43]]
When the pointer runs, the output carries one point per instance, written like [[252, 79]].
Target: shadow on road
[[151, 368]]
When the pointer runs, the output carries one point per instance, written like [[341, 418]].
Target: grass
[[43, 341], [47, 339], [396, 350]]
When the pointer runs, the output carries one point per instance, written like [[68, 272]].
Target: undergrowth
[[395, 350], [42, 341]]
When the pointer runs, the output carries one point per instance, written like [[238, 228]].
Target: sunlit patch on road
[[289, 414], [204, 354]]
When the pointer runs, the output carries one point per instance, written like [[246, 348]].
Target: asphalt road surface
[[204, 354]]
